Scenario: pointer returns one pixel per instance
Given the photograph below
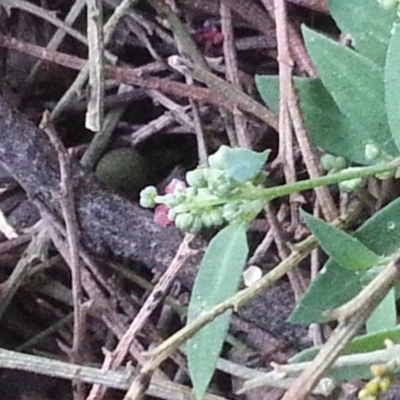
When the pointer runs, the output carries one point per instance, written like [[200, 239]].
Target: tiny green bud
[[252, 207], [172, 214], [148, 196], [328, 162], [212, 218], [332, 163], [385, 383], [350, 185], [212, 175], [197, 224], [184, 221], [372, 152], [205, 194], [388, 4], [339, 164], [216, 160], [196, 178], [171, 200], [386, 175], [230, 211]]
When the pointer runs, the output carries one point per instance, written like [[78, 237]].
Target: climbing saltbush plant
[[352, 113]]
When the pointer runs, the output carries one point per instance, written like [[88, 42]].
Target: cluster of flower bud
[[373, 155], [212, 197], [383, 380], [333, 164]]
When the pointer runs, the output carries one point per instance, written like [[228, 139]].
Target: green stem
[[351, 173]]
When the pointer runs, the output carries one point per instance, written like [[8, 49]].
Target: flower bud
[[216, 160], [372, 152], [212, 218], [252, 207], [331, 163], [328, 162], [197, 224], [339, 164], [171, 200], [196, 178], [184, 221], [350, 185], [385, 383], [379, 370], [386, 175], [388, 4], [230, 211], [148, 196]]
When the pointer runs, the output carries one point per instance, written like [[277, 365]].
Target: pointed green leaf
[[361, 344], [384, 316], [356, 84], [243, 164], [217, 280], [326, 125], [392, 84], [345, 249], [335, 285], [368, 25]]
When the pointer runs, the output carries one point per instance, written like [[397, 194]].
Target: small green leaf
[[326, 125], [335, 285], [345, 249], [356, 84], [384, 316], [217, 280], [243, 164], [368, 25], [392, 84], [361, 344]]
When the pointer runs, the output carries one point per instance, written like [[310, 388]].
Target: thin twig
[[67, 202], [113, 379], [221, 88], [109, 29], [222, 94], [95, 110], [116, 358], [232, 72]]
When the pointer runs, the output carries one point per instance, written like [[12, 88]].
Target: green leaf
[[217, 280], [361, 344], [345, 249], [384, 316], [333, 286], [368, 25], [326, 125], [356, 84], [243, 164], [336, 285], [392, 84]]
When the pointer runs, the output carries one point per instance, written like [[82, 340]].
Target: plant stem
[[351, 173]]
